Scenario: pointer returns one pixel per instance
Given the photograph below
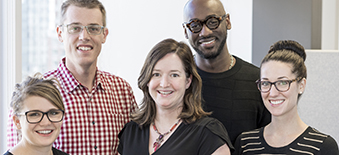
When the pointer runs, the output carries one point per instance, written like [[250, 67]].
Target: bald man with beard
[[229, 88]]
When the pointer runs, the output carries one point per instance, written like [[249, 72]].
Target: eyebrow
[[279, 78], [81, 24], [158, 70]]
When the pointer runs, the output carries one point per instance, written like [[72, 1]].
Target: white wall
[[136, 26]]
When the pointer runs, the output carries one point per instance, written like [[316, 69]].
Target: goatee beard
[[212, 55]]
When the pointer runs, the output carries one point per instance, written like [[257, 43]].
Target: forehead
[[83, 15], [275, 69], [37, 103], [170, 61], [202, 8]]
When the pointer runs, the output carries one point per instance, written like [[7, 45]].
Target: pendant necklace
[[160, 139]]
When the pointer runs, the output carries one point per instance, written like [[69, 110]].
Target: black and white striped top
[[310, 142]]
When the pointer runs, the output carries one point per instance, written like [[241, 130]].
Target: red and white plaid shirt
[[92, 120]]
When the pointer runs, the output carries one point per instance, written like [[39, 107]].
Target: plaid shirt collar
[[70, 83]]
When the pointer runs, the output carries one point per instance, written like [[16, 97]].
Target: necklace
[[231, 65], [160, 139]]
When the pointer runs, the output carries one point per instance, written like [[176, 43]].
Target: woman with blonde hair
[[38, 112]]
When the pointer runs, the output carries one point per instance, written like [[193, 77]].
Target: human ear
[[228, 22], [302, 85], [188, 82], [105, 32], [16, 121], [185, 32], [59, 32]]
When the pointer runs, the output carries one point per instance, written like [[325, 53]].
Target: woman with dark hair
[[282, 83], [38, 112], [171, 119]]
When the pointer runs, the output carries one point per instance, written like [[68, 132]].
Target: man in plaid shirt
[[97, 103]]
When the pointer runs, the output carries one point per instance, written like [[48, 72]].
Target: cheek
[[152, 85], [264, 95]]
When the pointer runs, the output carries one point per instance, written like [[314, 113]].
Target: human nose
[[164, 82], [84, 34], [205, 31], [273, 91]]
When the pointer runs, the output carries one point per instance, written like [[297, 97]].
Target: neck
[[25, 148], [85, 74], [219, 64], [286, 125], [165, 120]]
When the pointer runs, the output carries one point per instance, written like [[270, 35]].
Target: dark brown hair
[[291, 52]]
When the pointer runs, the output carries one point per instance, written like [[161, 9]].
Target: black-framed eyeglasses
[[35, 116], [280, 85], [212, 22], [77, 28]]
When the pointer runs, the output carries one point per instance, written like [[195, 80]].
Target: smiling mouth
[[276, 102], [165, 92], [84, 48], [207, 42], [45, 131]]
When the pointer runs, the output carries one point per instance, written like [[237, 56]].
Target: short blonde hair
[[36, 86]]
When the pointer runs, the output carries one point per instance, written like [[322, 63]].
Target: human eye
[[34, 114], [74, 28], [54, 112], [212, 22], [155, 74], [174, 75], [265, 83], [94, 28], [282, 82], [195, 25]]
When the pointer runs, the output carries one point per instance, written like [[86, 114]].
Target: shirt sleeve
[[12, 134], [215, 136], [330, 146]]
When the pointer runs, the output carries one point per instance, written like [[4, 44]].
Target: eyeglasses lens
[[37, 116], [196, 25], [91, 29]]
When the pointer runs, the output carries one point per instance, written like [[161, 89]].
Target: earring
[[301, 92]]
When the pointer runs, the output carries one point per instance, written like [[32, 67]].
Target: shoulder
[[113, 79], [249, 67], [252, 137], [58, 152], [215, 127], [130, 127], [328, 144]]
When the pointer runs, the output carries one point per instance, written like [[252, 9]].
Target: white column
[[10, 60], [330, 25]]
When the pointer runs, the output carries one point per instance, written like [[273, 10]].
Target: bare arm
[[222, 150]]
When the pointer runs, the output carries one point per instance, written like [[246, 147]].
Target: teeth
[[84, 48], [277, 102], [208, 42], [165, 93], [45, 131]]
